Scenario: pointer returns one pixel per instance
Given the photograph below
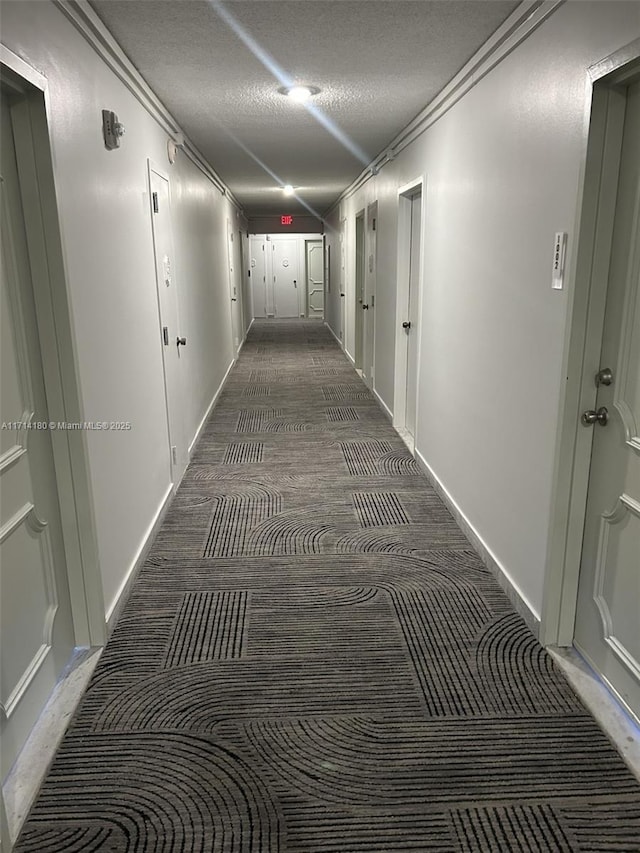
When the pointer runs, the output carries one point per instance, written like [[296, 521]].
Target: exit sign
[[286, 220]]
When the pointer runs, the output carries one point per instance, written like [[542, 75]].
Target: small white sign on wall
[[559, 252]]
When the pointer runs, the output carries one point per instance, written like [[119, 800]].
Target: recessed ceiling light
[[299, 94], [287, 189]]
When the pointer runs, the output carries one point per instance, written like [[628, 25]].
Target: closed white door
[[315, 278], [285, 278], [258, 269], [343, 277], [358, 352], [607, 630], [411, 323], [371, 241], [234, 296], [36, 630], [173, 342]]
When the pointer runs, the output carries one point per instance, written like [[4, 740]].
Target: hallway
[[313, 659]]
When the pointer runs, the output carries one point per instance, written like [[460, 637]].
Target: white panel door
[[371, 241], [172, 340], [285, 278], [315, 278], [36, 632], [607, 628], [412, 330], [258, 268], [234, 296], [358, 352]]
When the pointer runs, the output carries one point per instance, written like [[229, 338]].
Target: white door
[[258, 268], [411, 330], [371, 240], [285, 278], [234, 296], [359, 293], [315, 278], [173, 342], [607, 630], [36, 632], [343, 277]]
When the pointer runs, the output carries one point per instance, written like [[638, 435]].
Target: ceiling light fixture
[[299, 94], [287, 189]]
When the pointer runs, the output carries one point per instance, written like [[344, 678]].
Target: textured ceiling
[[377, 63]]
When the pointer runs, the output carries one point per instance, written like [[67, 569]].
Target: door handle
[[181, 342], [406, 325], [604, 376], [295, 283], [591, 416]]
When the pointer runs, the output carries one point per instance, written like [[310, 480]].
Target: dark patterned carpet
[[314, 660]]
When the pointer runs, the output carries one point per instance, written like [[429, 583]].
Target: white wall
[[107, 242], [256, 241], [503, 170]]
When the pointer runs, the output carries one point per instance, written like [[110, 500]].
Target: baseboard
[[213, 402], [383, 406], [334, 334], [125, 588], [23, 782], [489, 559], [123, 593]]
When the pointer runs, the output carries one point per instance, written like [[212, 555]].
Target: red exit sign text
[[286, 220]]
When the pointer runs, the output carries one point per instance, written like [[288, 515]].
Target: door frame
[[58, 345], [405, 195], [360, 259], [177, 465], [604, 122], [319, 239], [342, 284], [370, 288], [235, 314]]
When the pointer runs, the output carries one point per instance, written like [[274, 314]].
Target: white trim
[[405, 195], [90, 26], [22, 69], [383, 405], [213, 402], [489, 559], [589, 265], [23, 782], [30, 117], [326, 323], [120, 599], [522, 22]]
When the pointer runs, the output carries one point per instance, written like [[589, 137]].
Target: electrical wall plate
[[112, 130]]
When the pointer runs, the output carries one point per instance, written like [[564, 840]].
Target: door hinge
[[174, 454], [165, 335], [155, 202]]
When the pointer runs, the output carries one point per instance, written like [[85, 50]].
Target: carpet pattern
[[314, 660]]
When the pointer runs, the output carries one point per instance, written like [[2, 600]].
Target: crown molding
[[522, 22], [91, 27]]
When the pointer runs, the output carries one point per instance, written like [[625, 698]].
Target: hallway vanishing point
[[313, 659]]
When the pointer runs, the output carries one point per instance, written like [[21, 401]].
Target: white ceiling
[[377, 63]]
